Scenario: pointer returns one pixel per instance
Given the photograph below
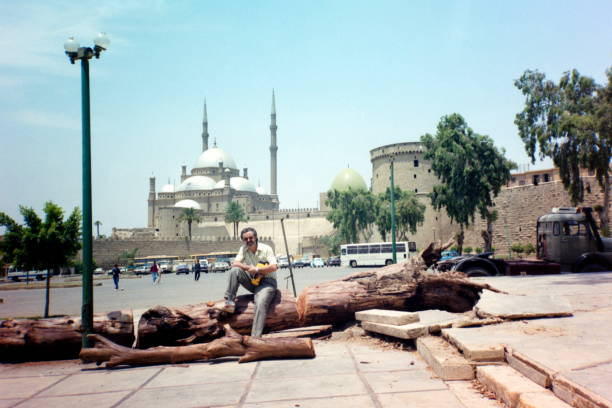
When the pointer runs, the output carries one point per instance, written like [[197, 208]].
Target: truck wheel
[[593, 267], [476, 271], [353, 264]]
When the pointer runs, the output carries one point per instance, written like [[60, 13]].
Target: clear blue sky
[[349, 76]]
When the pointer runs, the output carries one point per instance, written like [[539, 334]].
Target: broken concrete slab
[[395, 317], [540, 399], [444, 359], [531, 369], [506, 306], [579, 396], [506, 383], [474, 346], [431, 321]]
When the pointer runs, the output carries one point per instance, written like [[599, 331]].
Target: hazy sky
[[349, 76]]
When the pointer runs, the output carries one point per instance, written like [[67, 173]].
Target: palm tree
[[190, 215], [97, 224], [235, 214]]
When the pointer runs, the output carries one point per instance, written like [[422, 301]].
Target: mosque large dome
[[188, 204], [196, 183], [238, 184], [213, 156], [348, 178]]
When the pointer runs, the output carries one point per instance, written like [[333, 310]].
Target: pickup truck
[[17, 276], [568, 240]]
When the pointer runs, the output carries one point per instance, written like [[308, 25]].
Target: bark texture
[[58, 338], [231, 344]]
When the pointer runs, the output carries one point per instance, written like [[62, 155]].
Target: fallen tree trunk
[[58, 338], [232, 344]]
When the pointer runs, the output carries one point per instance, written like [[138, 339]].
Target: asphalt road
[[141, 293]]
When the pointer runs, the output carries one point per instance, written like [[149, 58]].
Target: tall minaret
[[273, 147], [151, 203], [205, 129]]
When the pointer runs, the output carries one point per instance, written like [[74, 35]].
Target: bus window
[[343, 251], [352, 249], [362, 249], [556, 228], [412, 246], [400, 247], [374, 249], [386, 248]]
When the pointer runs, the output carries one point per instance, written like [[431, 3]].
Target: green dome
[[348, 178]]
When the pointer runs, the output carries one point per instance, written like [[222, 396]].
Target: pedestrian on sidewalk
[[197, 269], [254, 269], [116, 272], [154, 271]]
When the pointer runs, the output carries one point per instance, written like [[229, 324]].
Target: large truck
[[568, 240]]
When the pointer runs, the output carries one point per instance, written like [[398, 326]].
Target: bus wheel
[[353, 264], [476, 271], [388, 262]]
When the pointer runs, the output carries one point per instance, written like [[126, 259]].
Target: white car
[[317, 263], [283, 262], [220, 266]]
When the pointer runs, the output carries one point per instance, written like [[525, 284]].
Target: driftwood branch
[[232, 344]]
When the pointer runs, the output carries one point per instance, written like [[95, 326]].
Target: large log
[[59, 338], [232, 344], [192, 324]]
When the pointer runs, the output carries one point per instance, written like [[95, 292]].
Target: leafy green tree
[[472, 171], [235, 214], [127, 256], [569, 122], [332, 243], [97, 224], [190, 215], [409, 213], [352, 212], [42, 244]]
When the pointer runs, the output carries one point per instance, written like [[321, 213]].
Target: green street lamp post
[[391, 179], [84, 54]]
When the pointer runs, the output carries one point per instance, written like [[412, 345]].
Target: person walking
[[154, 271], [197, 269], [116, 272], [254, 269]]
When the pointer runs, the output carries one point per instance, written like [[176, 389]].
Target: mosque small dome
[[213, 156], [188, 204], [260, 190], [168, 188], [238, 184], [348, 178], [196, 183]]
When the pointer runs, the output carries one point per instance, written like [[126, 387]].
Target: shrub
[[468, 250], [529, 249], [518, 249]]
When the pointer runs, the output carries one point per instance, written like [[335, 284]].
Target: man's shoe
[[227, 306]]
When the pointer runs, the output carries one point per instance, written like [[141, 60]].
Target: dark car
[[297, 263], [333, 261], [181, 268]]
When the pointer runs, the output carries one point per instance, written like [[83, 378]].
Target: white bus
[[375, 253]]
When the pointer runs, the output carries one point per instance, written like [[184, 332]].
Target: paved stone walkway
[[344, 374]]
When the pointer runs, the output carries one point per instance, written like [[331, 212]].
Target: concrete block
[[431, 321], [506, 383], [395, 317], [531, 369], [540, 399], [473, 346], [522, 307], [444, 359], [576, 395]]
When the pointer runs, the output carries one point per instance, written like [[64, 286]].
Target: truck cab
[[569, 236]]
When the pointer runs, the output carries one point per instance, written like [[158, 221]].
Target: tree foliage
[[471, 169], [351, 212], [40, 244], [409, 213], [235, 214], [570, 122], [190, 215], [332, 242], [127, 256]]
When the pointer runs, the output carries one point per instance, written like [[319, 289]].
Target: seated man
[[255, 269]]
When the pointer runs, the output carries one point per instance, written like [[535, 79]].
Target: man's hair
[[249, 229]]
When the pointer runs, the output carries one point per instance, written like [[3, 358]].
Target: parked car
[[181, 268], [98, 271], [317, 263], [204, 265], [165, 267], [333, 261], [297, 263], [143, 269], [306, 261], [220, 266], [283, 262]]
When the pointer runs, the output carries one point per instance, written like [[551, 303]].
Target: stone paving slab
[[444, 359], [469, 396], [107, 399], [361, 401], [428, 399], [474, 345], [506, 383], [195, 395], [431, 321], [394, 317], [507, 306]]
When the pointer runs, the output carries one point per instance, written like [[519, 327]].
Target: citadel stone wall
[[519, 208], [106, 252]]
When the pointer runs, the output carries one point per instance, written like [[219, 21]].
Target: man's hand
[[252, 270]]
